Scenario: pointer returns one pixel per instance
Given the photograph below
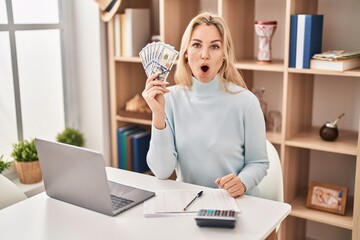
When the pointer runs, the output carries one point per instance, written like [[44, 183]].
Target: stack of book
[[133, 145], [305, 39], [336, 60]]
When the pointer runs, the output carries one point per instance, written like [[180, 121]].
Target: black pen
[[196, 197]]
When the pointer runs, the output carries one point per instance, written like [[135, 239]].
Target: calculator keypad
[[216, 218]]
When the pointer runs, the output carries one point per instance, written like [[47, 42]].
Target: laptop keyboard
[[119, 202]]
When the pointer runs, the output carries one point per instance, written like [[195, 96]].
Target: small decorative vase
[[329, 131], [259, 92], [29, 172], [265, 31], [274, 121]]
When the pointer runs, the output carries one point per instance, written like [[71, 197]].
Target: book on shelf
[[121, 145], [336, 65], [137, 33], [140, 146], [333, 55], [119, 33], [122, 41], [305, 39], [129, 149], [293, 31], [300, 41]]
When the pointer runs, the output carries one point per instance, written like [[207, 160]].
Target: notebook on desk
[[77, 175]]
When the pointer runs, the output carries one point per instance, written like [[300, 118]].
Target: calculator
[[216, 218]]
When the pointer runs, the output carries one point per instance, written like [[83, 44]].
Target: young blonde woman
[[208, 127]]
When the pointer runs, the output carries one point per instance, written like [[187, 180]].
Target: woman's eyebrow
[[195, 40], [217, 40], [198, 40]]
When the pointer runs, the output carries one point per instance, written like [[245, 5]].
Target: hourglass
[[265, 31]]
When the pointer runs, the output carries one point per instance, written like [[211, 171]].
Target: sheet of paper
[[172, 202]]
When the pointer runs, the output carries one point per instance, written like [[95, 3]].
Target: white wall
[[90, 70]]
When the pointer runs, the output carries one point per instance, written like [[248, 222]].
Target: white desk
[[41, 217]]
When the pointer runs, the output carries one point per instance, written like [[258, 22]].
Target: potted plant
[[4, 165], [27, 162], [71, 136]]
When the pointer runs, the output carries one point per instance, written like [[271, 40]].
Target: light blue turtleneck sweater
[[210, 133]]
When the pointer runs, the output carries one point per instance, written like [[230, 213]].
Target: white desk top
[[41, 217]]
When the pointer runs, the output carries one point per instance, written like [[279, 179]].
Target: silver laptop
[[77, 175]]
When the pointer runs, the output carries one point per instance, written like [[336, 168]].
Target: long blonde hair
[[228, 71]]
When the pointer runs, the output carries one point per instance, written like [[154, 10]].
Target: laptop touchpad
[[119, 189]]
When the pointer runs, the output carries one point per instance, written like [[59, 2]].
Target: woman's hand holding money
[[154, 96]]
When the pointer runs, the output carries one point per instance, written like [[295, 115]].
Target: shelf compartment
[[310, 139], [134, 117], [276, 65], [349, 73], [130, 114], [300, 210], [173, 23], [133, 120]]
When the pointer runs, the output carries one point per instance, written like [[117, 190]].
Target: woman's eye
[[215, 47], [196, 45]]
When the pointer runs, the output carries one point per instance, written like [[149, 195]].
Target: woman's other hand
[[232, 184]]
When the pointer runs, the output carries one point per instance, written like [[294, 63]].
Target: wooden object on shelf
[[327, 197], [298, 136], [137, 104]]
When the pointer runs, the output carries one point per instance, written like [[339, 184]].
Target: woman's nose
[[205, 54]]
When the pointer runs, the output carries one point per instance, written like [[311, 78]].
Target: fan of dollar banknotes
[[158, 57]]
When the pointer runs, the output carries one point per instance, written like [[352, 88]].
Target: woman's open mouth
[[204, 68]]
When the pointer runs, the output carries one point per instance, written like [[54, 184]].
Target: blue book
[[140, 147], [129, 154], [292, 47], [308, 38], [312, 38], [119, 138]]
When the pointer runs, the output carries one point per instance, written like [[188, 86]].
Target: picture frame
[[327, 197]]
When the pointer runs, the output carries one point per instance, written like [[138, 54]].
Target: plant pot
[[29, 172]]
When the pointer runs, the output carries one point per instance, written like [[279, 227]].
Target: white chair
[[272, 186], [9, 192]]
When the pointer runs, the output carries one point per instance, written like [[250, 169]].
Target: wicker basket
[[29, 172]]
